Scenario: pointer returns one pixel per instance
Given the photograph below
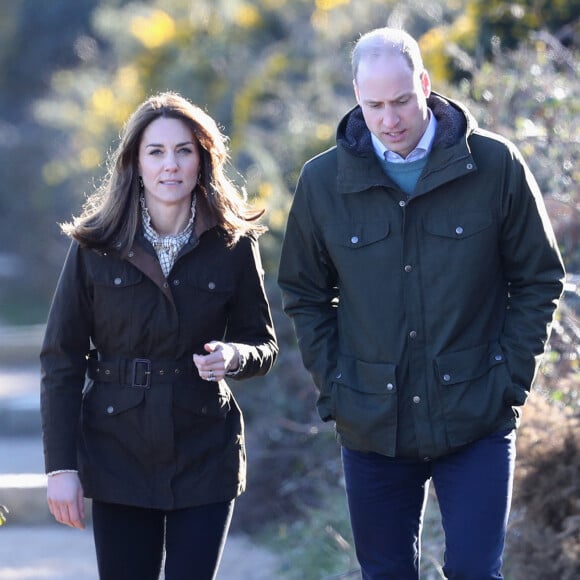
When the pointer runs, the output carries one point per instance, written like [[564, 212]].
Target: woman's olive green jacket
[[421, 318], [136, 419]]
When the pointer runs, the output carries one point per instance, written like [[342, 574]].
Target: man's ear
[[425, 82]]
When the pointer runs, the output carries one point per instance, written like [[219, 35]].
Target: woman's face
[[169, 162]]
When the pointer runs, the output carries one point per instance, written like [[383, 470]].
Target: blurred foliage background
[[276, 76]]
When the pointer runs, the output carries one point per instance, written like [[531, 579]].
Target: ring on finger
[[210, 376]]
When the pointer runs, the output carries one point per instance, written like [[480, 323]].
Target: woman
[[161, 298]]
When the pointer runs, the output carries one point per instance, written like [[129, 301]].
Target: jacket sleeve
[[309, 287], [63, 363], [535, 275], [250, 325]]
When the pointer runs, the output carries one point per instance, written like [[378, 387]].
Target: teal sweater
[[405, 175]]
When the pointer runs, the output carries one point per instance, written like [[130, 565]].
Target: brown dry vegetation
[[544, 539]]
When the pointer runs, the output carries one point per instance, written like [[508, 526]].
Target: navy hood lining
[[453, 121]]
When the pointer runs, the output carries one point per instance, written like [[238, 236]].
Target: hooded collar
[[454, 122], [358, 166]]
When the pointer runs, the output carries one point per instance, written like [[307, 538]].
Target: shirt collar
[[153, 236], [420, 151]]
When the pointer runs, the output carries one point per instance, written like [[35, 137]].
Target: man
[[421, 274]]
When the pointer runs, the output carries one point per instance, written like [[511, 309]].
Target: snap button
[[390, 386], [416, 399], [176, 282], [131, 254], [161, 371], [458, 230], [211, 285], [498, 357], [338, 375], [446, 377], [413, 334], [107, 372], [117, 281], [110, 409], [469, 166], [402, 203], [408, 268], [354, 240], [176, 371], [165, 285]]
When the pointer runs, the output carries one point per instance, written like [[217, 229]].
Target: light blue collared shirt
[[420, 151]]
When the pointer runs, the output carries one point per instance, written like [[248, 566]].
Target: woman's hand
[[222, 357], [65, 497]]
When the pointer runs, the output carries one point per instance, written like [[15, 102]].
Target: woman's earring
[[141, 185]]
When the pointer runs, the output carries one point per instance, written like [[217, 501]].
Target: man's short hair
[[386, 41]]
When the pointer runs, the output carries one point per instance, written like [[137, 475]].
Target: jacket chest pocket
[[212, 290], [466, 240], [116, 290], [460, 226], [357, 244], [208, 296]]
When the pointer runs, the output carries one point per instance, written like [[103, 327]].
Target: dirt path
[[59, 553]]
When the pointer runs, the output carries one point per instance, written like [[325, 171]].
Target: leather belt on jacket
[[137, 372]]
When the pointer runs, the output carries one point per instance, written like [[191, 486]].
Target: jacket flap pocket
[[366, 377], [212, 400], [113, 400], [211, 281], [118, 277], [356, 235], [458, 225], [465, 365]]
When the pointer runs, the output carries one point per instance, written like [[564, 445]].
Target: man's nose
[[390, 118]]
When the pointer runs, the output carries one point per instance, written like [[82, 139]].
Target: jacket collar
[[358, 167], [205, 218], [143, 257]]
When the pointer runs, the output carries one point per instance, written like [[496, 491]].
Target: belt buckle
[[146, 373]]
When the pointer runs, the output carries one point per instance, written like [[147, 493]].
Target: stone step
[[22, 480], [19, 401], [20, 416], [24, 495]]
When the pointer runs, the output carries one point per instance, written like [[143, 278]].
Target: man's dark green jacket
[[421, 318]]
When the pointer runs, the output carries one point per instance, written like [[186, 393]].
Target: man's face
[[393, 100]]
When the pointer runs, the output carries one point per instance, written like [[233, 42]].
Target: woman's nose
[[170, 162]]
